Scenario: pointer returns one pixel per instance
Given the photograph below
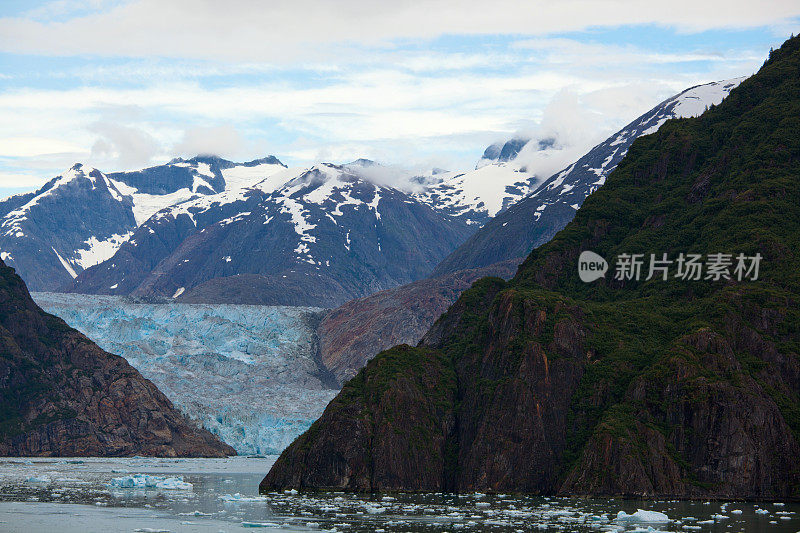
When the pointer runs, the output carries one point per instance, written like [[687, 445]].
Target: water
[[77, 495]]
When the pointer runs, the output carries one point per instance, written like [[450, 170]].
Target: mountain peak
[[268, 160], [362, 162]]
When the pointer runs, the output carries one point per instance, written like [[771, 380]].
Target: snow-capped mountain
[[534, 220], [155, 188], [83, 216], [74, 220], [497, 182], [317, 236]]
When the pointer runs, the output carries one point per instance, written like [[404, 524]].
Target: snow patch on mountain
[[242, 176], [67, 266], [100, 250], [477, 195]]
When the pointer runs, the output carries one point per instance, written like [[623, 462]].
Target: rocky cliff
[[61, 395], [631, 386], [355, 332]]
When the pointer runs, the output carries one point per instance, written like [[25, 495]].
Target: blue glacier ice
[[247, 373]]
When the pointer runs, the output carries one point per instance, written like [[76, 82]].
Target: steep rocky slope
[[533, 220], [61, 395], [639, 387], [355, 332]]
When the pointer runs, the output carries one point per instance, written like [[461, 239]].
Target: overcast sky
[[126, 84]]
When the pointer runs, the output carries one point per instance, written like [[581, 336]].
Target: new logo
[[591, 266]]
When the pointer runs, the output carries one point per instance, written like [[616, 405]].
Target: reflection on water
[[81, 495]]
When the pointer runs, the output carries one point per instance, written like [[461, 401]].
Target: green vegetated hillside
[[546, 384]]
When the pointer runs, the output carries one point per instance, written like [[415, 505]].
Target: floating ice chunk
[[736, 511], [145, 481], [174, 483], [642, 516], [38, 479], [762, 511], [260, 524]]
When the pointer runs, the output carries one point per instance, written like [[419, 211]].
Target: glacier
[[250, 374]]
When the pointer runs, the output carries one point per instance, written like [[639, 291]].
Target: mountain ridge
[[82, 217], [324, 233]]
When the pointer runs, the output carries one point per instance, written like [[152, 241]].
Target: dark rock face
[[354, 333], [502, 152], [647, 388], [320, 239], [61, 395], [535, 219], [409, 409], [294, 288], [723, 434]]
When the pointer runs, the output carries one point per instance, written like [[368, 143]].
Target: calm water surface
[[82, 495]]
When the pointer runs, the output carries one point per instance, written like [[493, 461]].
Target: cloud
[[317, 81], [128, 146], [223, 140], [12, 180], [575, 123], [35, 146], [284, 31], [397, 176]]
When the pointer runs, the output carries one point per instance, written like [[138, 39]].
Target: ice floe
[[145, 481], [642, 516]]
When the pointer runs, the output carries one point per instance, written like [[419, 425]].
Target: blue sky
[[120, 85]]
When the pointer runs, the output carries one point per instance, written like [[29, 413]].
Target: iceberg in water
[[145, 481], [642, 516]]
